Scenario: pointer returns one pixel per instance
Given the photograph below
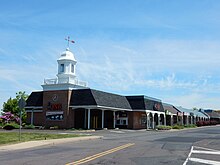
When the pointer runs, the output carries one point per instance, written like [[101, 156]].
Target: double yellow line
[[90, 158]]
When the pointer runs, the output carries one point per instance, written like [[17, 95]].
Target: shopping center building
[[66, 102]]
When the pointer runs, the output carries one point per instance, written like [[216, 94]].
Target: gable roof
[[35, 99], [91, 97]]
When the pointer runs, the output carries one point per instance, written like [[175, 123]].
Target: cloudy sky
[[169, 50]]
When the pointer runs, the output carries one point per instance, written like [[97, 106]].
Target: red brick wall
[[134, 120], [63, 99]]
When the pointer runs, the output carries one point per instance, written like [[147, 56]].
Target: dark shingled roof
[[170, 108], [144, 103], [35, 99], [212, 114], [82, 97]]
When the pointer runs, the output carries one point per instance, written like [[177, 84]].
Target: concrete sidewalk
[[31, 144]]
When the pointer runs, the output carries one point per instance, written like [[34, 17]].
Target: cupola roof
[[67, 55]]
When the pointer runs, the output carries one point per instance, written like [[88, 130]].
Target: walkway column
[[153, 121], [102, 119], [187, 120], [171, 120], [165, 121], [32, 117], [88, 118], [159, 119], [147, 120], [114, 119], [85, 120]]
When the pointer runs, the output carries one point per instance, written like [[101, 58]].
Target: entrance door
[[94, 121]]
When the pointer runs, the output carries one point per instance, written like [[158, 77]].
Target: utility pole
[[21, 104]]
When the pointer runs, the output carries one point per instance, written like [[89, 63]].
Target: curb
[[32, 144]]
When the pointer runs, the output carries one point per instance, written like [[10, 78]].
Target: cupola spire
[[69, 41]]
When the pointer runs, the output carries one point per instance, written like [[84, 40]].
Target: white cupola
[[66, 76], [66, 66]]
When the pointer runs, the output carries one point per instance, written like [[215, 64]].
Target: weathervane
[[68, 41]]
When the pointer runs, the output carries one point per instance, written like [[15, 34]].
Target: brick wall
[[57, 101]]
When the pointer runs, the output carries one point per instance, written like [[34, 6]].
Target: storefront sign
[[55, 116], [156, 107], [54, 107]]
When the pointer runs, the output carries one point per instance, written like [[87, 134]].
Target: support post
[[153, 124], [103, 119], [147, 121], [171, 120], [114, 119], [32, 117], [85, 120], [88, 118], [165, 121]]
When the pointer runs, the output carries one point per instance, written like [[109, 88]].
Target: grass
[[13, 137]]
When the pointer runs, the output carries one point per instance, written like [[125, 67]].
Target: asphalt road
[[125, 147]]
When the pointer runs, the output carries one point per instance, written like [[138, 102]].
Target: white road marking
[[203, 151], [206, 152], [187, 159], [206, 148], [205, 161]]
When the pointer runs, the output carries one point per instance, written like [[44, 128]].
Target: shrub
[[9, 117], [163, 127], [205, 123], [29, 126], [178, 126], [190, 126], [11, 126]]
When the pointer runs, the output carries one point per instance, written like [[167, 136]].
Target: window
[[72, 68], [62, 68]]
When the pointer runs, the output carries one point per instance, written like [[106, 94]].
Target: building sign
[[156, 107], [55, 97], [54, 115], [54, 107]]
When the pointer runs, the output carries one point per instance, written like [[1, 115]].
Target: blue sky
[[164, 49]]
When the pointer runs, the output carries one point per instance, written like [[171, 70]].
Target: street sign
[[21, 103]]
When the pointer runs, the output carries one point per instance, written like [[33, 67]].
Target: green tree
[[12, 105]]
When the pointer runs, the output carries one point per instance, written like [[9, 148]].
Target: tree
[[12, 105]]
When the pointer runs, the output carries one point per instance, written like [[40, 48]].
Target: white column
[[171, 120], [113, 119], [153, 125], [147, 120], [165, 122], [32, 117], [102, 119], [85, 120], [159, 123], [187, 120], [88, 118]]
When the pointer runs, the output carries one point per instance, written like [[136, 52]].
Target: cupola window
[[72, 68], [62, 68]]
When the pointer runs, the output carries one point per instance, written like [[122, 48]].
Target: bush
[[163, 127], [178, 126], [205, 123], [190, 126], [29, 126], [11, 126]]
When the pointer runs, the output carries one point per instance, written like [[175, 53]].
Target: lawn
[[13, 137]]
